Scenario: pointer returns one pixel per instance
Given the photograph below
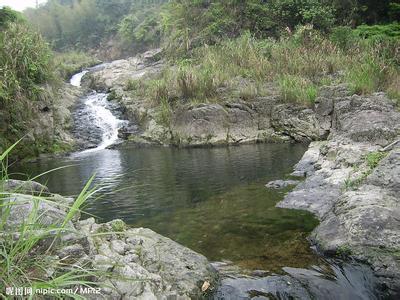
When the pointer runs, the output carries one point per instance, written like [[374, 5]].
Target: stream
[[212, 200]]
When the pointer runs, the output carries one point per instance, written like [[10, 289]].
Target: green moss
[[118, 225], [343, 250], [373, 158]]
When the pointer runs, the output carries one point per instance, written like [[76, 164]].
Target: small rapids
[[97, 121]]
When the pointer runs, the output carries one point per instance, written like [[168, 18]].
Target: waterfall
[[97, 107]]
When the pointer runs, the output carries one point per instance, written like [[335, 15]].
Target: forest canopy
[[83, 24]]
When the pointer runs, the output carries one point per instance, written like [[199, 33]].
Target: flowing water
[[212, 200], [97, 118]]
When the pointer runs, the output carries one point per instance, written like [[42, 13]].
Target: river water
[[212, 200]]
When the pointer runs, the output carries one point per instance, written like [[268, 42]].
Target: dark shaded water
[[212, 200]]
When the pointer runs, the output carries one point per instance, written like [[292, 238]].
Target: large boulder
[[26, 209], [141, 264], [24, 187], [298, 122], [372, 119]]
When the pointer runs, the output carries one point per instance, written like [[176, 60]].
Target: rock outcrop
[[125, 263], [352, 185], [232, 121], [142, 264]]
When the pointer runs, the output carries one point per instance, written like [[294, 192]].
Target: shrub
[[381, 32], [343, 36]]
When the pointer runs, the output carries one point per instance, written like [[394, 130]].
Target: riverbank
[[350, 181], [352, 185], [121, 262], [234, 121]]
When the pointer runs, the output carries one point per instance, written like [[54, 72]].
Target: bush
[[379, 32], [343, 36], [28, 82], [69, 63]]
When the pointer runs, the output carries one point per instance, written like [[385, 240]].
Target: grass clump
[[297, 89], [371, 161], [27, 251], [298, 65], [69, 63], [373, 158]]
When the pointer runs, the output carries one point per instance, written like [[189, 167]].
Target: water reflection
[[211, 200]]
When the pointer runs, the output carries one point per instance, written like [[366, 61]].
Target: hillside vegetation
[[27, 81], [219, 49], [214, 51]]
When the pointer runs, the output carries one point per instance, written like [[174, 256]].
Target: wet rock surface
[[279, 184], [335, 280], [353, 186]]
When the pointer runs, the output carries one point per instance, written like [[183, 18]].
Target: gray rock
[[387, 174], [279, 184], [145, 265], [297, 122], [21, 208], [360, 220], [306, 166], [366, 119], [118, 246], [71, 252], [24, 187], [180, 267]]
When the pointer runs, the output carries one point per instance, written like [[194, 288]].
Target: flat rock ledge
[[352, 184], [127, 263]]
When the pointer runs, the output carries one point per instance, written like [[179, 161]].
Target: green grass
[[373, 158], [69, 63], [371, 161], [26, 252], [298, 66], [297, 89]]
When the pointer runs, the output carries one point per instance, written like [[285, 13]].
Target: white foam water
[[77, 78], [101, 116]]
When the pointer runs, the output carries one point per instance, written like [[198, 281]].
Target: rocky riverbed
[[352, 184], [349, 178], [127, 263], [351, 169]]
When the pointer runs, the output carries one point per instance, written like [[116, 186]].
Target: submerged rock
[[347, 281], [279, 184]]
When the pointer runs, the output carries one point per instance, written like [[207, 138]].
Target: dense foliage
[[184, 24], [82, 24], [28, 83], [188, 24]]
